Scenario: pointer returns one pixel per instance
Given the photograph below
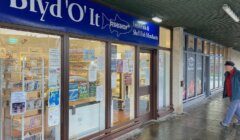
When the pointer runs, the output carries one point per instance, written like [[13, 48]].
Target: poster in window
[[53, 116], [73, 92], [83, 90], [191, 75], [18, 103], [88, 55], [53, 97], [54, 68], [92, 89]]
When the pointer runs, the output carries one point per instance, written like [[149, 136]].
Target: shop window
[[164, 79], [165, 37], [30, 85], [86, 87], [184, 94], [199, 74], [217, 67], [212, 67], [191, 75], [122, 83], [221, 67]]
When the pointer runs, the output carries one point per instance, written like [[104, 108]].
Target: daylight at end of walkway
[[199, 122]]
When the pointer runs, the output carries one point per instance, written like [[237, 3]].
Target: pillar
[[177, 69]]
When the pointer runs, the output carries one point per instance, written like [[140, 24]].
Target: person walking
[[231, 90]]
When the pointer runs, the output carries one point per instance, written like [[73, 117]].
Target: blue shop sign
[[81, 17]]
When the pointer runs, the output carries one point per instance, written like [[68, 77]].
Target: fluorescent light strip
[[230, 12], [157, 19]]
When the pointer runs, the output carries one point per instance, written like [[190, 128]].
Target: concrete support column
[[228, 53], [177, 66]]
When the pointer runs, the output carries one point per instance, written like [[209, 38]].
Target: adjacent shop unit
[[203, 67], [76, 69]]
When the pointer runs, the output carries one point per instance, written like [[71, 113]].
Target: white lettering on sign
[[54, 9], [76, 12], [80, 9]]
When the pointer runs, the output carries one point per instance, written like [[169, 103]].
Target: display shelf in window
[[82, 90], [25, 119]]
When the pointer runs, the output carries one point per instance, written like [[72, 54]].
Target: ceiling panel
[[204, 18]]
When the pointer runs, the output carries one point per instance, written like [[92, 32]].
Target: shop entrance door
[[145, 84]]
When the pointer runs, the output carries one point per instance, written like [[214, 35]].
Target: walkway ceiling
[[204, 18]]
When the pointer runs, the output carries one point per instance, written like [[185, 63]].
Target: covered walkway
[[199, 122]]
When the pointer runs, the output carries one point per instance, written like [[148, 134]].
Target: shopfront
[[75, 69], [203, 67]]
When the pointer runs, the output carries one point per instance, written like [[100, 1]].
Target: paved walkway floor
[[200, 122]]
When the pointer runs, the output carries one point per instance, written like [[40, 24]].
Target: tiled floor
[[200, 122]]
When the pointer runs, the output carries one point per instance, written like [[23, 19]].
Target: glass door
[[145, 82], [122, 83]]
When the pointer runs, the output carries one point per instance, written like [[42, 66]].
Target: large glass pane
[[184, 94], [199, 74], [144, 82], [164, 79], [212, 66], [122, 83], [190, 75], [217, 71], [212, 71], [29, 85], [86, 87], [221, 67]]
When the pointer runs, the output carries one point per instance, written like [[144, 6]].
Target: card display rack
[[23, 75]]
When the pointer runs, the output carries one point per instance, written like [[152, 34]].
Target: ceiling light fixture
[[157, 19], [230, 12]]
